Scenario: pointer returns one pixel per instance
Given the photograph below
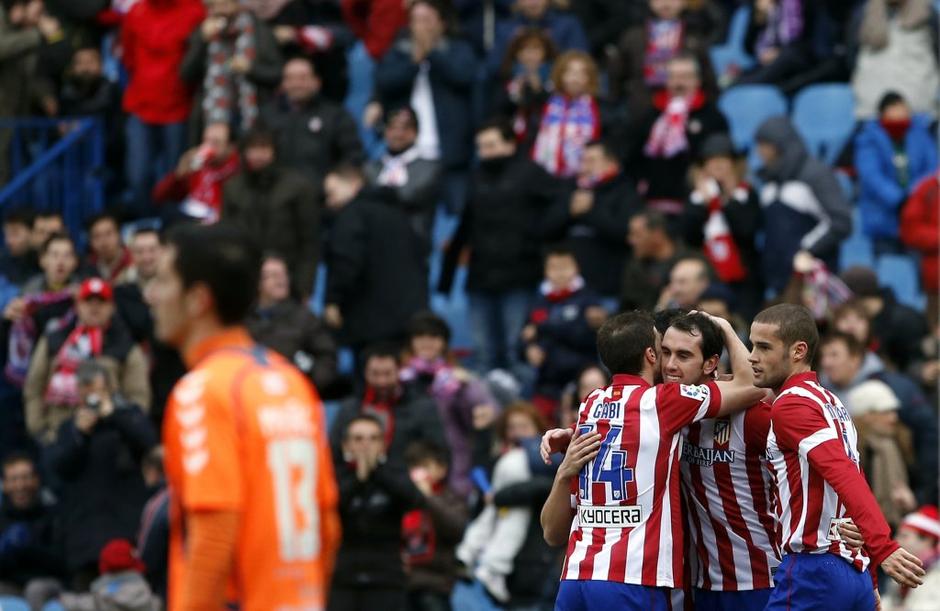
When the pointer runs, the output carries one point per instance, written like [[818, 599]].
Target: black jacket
[[29, 543], [313, 137], [598, 238], [899, 330], [291, 330], [103, 489], [377, 271], [281, 208], [502, 225], [371, 513]]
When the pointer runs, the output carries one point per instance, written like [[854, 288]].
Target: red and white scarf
[[568, 124], [668, 137], [82, 343]]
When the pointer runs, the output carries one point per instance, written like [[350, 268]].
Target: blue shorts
[[820, 581], [746, 600], [578, 595]]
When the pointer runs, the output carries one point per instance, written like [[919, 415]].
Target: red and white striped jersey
[[628, 524], [804, 418], [726, 486]]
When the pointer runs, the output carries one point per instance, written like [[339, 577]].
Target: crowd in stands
[[547, 163]]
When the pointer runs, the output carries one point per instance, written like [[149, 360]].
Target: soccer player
[[817, 484], [253, 513], [621, 468]]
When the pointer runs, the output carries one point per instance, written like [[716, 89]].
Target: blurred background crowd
[[454, 195]]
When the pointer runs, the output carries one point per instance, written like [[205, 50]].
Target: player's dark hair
[[501, 125], [421, 452], [854, 346], [384, 350], [623, 340], [363, 418], [223, 257], [103, 217], [794, 324], [19, 216], [663, 318], [57, 237], [701, 326]]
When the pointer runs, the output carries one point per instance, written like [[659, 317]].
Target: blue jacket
[[565, 31], [452, 73], [880, 194]]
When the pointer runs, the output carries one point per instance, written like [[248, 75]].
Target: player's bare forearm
[[210, 556], [556, 513]]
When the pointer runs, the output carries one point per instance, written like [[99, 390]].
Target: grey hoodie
[[802, 202], [125, 591]]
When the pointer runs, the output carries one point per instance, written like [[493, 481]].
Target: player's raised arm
[[738, 393], [557, 513]]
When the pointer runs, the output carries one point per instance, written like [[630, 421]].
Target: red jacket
[[920, 229], [376, 22], [153, 39], [200, 192]]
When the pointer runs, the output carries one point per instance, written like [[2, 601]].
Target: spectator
[[154, 37], [571, 117], [405, 413], [433, 72], [201, 173], [279, 206], [496, 536], [892, 155], [603, 22], [593, 221], [802, 201], [413, 180], [145, 253], [920, 231], [919, 534], [58, 262], [375, 493], [689, 278], [779, 38], [19, 262], [153, 538], [723, 217], [121, 584], [645, 49], [559, 338], [896, 328], [29, 552], [108, 258], [459, 396], [51, 390], [288, 327], [590, 377], [375, 22], [377, 269], [655, 251], [509, 194], [97, 454], [25, 29], [565, 30], [233, 61], [525, 78], [884, 448], [86, 92], [669, 136], [845, 365], [45, 224], [432, 533], [312, 133], [897, 51]]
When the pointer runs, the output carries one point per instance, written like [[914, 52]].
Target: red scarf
[[205, 188], [383, 408], [82, 343], [720, 248]]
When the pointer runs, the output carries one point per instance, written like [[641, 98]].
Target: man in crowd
[[45, 224], [279, 206], [250, 476], [378, 272], [312, 133], [689, 278], [812, 442], [596, 216], [19, 263], [655, 251], [109, 259]]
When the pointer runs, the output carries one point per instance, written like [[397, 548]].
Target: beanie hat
[[117, 556], [925, 521]]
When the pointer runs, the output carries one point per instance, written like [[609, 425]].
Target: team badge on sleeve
[[698, 393]]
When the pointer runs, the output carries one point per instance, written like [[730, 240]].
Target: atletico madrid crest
[[722, 432]]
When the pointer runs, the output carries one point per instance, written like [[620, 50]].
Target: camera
[[93, 402]]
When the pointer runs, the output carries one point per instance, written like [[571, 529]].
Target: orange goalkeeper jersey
[[244, 433]]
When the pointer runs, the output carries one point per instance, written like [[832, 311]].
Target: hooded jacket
[[802, 201]]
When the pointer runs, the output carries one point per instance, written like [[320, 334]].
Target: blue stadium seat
[[13, 603], [746, 107], [899, 272], [731, 53], [825, 117], [857, 248], [361, 69], [53, 606]]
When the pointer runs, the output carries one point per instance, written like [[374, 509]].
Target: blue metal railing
[[56, 164]]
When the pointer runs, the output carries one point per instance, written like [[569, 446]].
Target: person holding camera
[[97, 456]]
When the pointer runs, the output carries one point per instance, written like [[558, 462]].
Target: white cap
[[872, 396]]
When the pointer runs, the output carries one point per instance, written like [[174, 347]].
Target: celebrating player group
[[682, 490]]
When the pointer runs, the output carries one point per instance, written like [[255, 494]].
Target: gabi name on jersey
[[705, 457]]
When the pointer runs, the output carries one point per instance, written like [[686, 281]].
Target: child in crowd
[[559, 338], [571, 117], [432, 532], [121, 587]]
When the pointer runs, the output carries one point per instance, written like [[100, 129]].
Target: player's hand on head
[[582, 450], [553, 441], [904, 568]]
